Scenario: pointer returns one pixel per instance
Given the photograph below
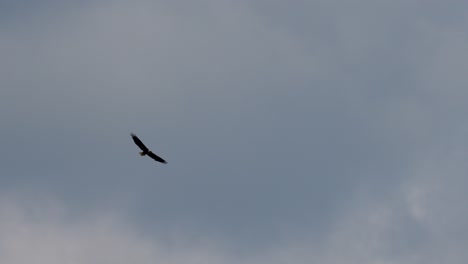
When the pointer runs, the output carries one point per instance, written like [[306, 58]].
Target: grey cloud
[[276, 121], [374, 232]]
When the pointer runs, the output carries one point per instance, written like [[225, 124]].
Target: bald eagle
[[145, 150]]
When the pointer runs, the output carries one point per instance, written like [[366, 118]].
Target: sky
[[295, 132]]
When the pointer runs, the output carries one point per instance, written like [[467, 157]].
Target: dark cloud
[[277, 121]]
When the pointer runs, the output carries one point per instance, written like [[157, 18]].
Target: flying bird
[[145, 150]]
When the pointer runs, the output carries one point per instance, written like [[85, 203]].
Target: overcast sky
[[295, 131]]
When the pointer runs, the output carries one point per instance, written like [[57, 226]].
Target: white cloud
[[46, 234]]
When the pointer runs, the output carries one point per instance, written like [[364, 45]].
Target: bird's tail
[[142, 153]]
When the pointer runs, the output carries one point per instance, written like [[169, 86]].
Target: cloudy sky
[[295, 131]]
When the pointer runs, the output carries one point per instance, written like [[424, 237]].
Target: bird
[[145, 151]]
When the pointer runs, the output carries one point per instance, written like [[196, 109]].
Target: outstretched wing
[[156, 157], [139, 143]]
